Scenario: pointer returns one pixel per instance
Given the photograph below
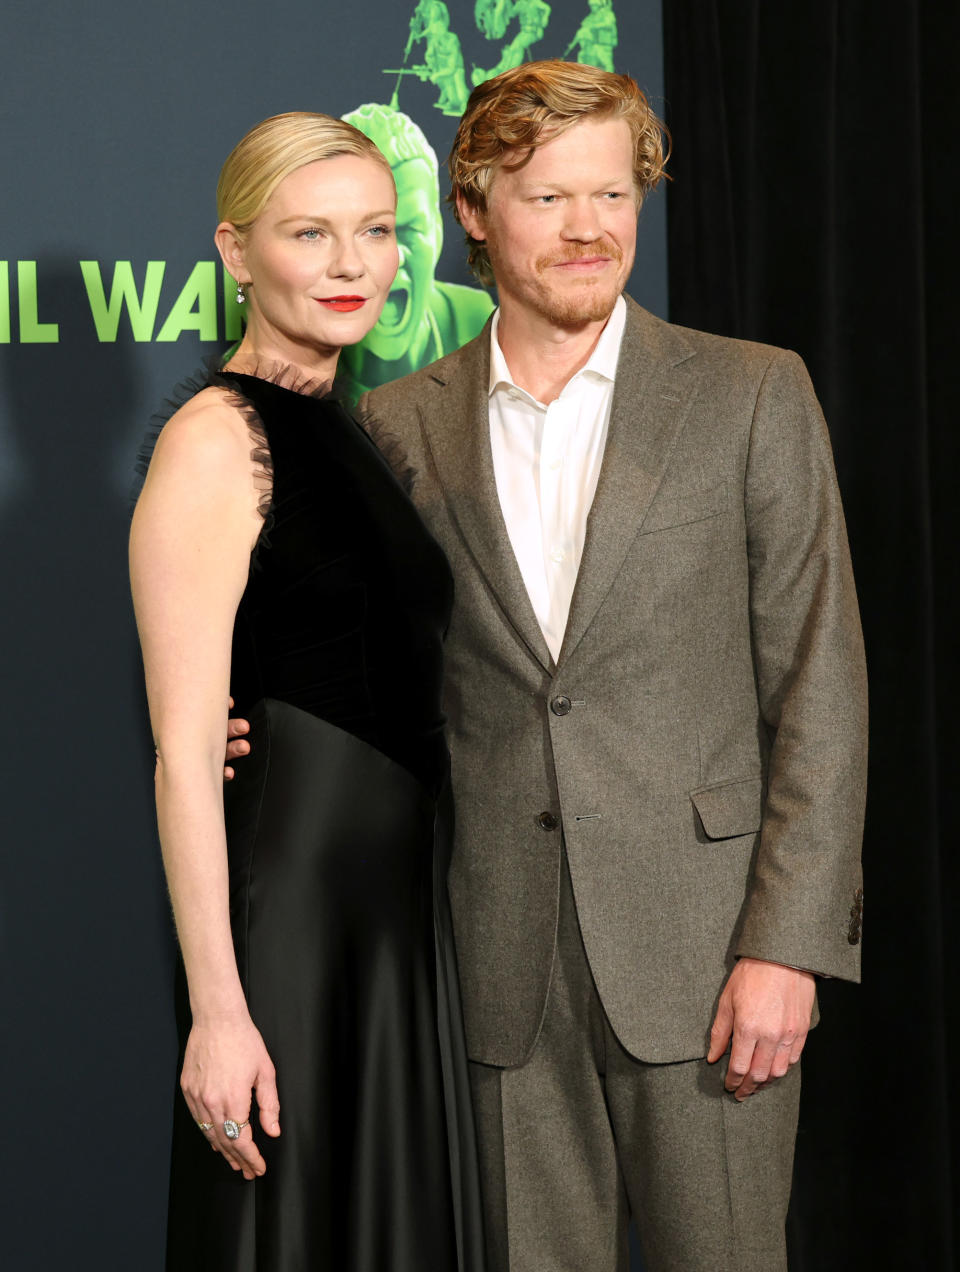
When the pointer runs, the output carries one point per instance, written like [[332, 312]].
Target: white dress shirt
[[546, 460]]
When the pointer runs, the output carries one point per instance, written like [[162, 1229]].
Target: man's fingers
[[236, 746], [769, 1060], [797, 1048], [738, 1068], [721, 1030], [750, 1059], [758, 1072], [781, 1059]]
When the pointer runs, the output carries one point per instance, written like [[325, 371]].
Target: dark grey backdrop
[[114, 120]]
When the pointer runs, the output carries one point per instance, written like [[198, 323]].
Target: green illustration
[[520, 23], [424, 318], [493, 18], [596, 36], [442, 58]]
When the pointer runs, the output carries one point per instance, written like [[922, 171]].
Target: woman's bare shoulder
[[209, 431]]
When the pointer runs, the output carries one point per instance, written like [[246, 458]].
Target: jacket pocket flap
[[732, 808]]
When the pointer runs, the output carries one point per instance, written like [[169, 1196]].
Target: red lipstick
[[342, 304]]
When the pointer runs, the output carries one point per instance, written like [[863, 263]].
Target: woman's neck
[[255, 353]]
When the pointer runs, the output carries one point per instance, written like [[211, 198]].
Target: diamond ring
[[232, 1129], [205, 1126]]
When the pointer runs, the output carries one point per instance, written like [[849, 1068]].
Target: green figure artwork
[[596, 36], [493, 17], [423, 318], [595, 42], [442, 60]]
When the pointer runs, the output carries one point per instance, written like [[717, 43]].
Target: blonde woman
[[276, 557]]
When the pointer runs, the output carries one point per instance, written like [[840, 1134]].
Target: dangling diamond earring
[[240, 296]]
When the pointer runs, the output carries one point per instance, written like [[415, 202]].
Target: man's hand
[[766, 1007], [236, 746]]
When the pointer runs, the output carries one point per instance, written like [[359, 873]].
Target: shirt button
[[554, 465], [561, 705], [547, 821], [557, 556]]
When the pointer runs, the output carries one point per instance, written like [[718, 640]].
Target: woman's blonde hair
[[531, 104], [275, 148]]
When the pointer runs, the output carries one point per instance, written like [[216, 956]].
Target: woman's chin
[[344, 330]]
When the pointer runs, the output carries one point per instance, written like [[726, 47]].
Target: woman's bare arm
[[193, 529]]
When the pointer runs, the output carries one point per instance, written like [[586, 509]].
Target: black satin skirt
[[341, 926]]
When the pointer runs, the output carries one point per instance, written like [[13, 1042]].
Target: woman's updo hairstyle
[[275, 148]]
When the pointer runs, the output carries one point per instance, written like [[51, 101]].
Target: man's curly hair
[[517, 111]]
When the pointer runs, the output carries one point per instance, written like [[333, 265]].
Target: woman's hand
[[224, 1061]]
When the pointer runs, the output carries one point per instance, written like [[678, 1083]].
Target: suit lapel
[[456, 424], [654, 388]]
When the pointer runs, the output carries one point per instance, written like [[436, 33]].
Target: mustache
[[582, 251]]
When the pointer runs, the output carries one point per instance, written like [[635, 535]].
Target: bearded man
[[657, 710]]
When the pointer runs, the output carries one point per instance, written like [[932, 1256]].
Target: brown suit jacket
[[702, 739]]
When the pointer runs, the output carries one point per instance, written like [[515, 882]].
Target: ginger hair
[[509, 116]]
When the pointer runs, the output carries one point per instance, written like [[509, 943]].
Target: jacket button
[[547, 821], [561, 705], [856, 918]]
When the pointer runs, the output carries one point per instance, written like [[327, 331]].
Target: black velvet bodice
[[348, 597]]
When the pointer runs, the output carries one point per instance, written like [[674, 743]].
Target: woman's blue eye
[[381, 231], [310, 235]]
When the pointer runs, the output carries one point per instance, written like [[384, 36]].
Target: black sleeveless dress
[[338, 833]]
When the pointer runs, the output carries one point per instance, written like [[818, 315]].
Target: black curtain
[[811, 207]]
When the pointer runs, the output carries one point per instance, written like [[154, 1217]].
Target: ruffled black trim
[[181, 395], [285, 377], [389, 446], [209, 376], [260, 457], [290, 377]]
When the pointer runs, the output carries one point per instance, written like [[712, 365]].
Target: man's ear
[[471, 219], [230, 246]]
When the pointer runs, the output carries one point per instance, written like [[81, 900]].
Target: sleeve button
[[547, 821]]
